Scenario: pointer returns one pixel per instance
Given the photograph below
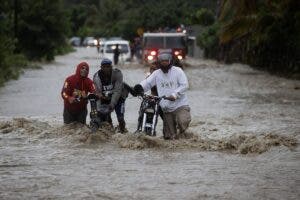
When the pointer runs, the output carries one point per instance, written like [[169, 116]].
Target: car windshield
[[122, 47], [175, 42], [164, 42], [154, 42]]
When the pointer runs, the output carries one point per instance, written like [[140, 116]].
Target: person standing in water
[[116, 54], [74, 93], [172, 83]]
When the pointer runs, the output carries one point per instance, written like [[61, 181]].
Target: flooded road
[[242, 145]]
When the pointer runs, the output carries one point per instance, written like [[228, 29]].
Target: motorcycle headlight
[[149, 110]]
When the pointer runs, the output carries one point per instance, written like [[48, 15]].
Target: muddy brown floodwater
[[242, 142]]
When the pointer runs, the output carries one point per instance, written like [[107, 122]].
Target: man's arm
[[130, 89], [183, 85], [97, 84], [149, 82], [66, 92]]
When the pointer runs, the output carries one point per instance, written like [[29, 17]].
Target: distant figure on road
[[74, 91], [98, 45], [132, 49], [116, 54]]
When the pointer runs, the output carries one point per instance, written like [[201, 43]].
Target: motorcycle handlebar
[[90, 96], [146, 96]]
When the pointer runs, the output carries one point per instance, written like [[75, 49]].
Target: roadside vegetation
[[30, 31], [262, 33], [34, 30]]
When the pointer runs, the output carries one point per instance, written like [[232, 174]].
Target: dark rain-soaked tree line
[[262, 33]]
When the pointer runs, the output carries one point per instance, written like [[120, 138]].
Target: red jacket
[[75, 85]]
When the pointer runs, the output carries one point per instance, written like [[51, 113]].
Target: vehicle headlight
[[153, 53], [150, 57]]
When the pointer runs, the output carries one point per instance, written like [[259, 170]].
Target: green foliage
[[264, 34], [163, 14], [208, 40], [84, 31], [10, 63], [122, 18], [204, 17], [261, 33], [64, 49], [30, 29], [279, 49], [43, 28], [77, 16]]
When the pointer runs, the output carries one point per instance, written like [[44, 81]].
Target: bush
[[43, 28], [209, 41], [204, 17]]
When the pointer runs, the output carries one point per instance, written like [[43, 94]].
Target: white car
[[110, 46], [89, 42]]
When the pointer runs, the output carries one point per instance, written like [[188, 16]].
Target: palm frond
[[238, 28]]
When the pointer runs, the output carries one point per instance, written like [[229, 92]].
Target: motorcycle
[[98, 116], [148, 114], [102, 113]]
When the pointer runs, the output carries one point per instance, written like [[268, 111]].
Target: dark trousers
[[116, 59], [119, 110], [70, 117]]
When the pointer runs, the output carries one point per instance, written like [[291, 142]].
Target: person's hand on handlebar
[[95, 96], [138, 89]]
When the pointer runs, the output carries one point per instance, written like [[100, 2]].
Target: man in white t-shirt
[[172, 83]]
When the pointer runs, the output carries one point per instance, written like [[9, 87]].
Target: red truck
[[154, 43]]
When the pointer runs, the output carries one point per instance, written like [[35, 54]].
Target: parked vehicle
[[110, 45], [153, 43], [75, 41], [89, 42]]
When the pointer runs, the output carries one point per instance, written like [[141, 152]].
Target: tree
[[204, 17], [43, 28], [10, 63], [262, 32]]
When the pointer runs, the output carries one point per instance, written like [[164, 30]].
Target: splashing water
[[239, 143]]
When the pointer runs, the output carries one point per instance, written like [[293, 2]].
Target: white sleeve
[[97, 83], [182, 82], [149, 82]]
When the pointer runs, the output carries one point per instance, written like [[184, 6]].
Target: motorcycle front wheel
[[148, 131], [94, 127]]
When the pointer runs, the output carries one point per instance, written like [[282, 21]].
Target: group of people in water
[[165, 79]]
